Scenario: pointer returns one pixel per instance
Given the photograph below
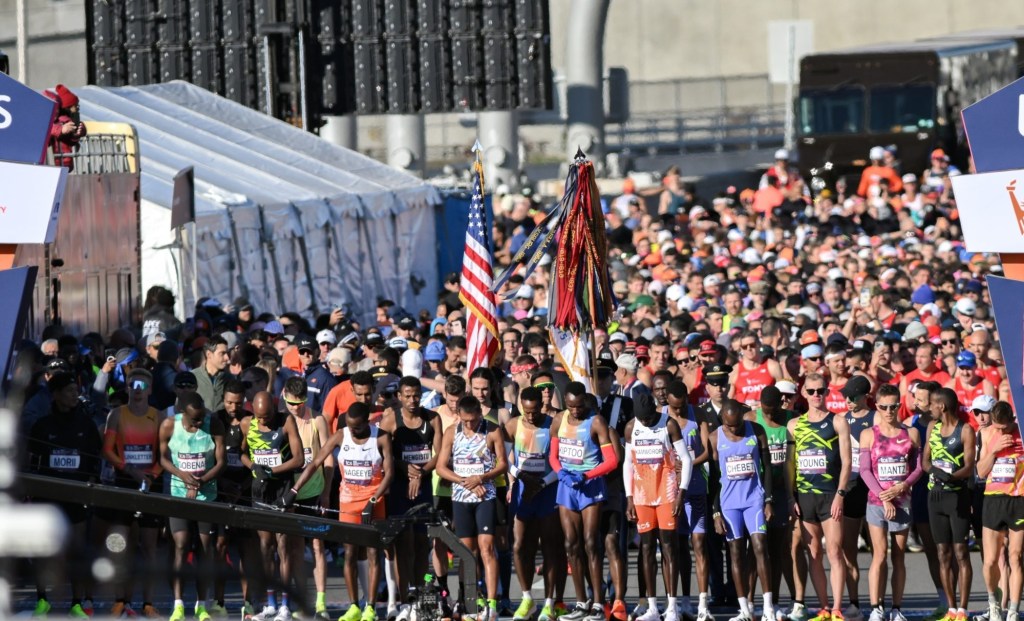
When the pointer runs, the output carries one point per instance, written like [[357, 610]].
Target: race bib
[[739, 467], [943, 465], [778, 453], [307, 455], [267, 457], [812, 461], [138, 454], [469, 467], [570, 451], [234, 460], [855, 460], [192, 462], [1004, 470], [358, 472], [532, 462], [65, 459], [892, 469], [416, 454], [649, 451]]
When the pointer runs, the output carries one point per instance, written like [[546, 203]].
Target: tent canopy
[[284, 218]]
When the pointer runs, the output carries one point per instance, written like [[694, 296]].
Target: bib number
[[65, 459], [1004, 470], [138, 454], [416, 454], [570, 452], [778, 453], [192, 462], [648, 451], [468, 467], [739, 467], [812, 461], [532, 462], [943, 465], [892, 469], [267, 457], [358, 472]]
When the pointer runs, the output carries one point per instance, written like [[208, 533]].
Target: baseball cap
[[983, 403], [642, 300], [811, 351], [407, 323], [273, 327], [876, 153], [525, 293], [327, 336], [707, 347], [973, 286], [856, 387], [674, 293], [965, 306], [782, 154], [939, 154], [373, 339], [712, 279], [155, 339], [786, 387], [966, 360], [304, 342], [412, 363], [910, 178], [185, 379], [923, 295], [627, 362], [231, 338], [809, 337], [398, 343], [618, 337], [914, 331], [435, 352]]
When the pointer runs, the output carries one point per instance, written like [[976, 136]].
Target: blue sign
[[1008, 308], [17, 286], [25, 120]]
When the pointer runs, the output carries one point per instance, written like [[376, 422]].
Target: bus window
[[838, 111], [896, 109]]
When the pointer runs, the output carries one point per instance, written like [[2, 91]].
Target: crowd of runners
[[785, 381]]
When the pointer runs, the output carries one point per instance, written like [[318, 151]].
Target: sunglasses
[[305, 352], [544, 385], [889, 408], [748, 346], [816, 391], [140, 385], [814, 358], [290, 402], [951, 342]]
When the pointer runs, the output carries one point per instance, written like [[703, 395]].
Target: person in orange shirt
[[358, 389], [877, 171]]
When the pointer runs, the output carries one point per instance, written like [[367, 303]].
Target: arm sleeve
[[553, 456], [867, 472], [609, 462], [714, 484], [766, 470], [918, 471], [686, 463], [627, 470]]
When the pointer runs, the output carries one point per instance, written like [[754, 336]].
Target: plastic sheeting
[[282, 217]]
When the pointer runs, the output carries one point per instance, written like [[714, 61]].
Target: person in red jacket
[[876, 172], [67, 130]]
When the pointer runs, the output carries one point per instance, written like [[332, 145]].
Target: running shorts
[[743, 522], [876, 517], [352, 512], [1003, 512], [541, 505], [474, 518], [950, 516], [815, 508], [658, 517], [696, 508], [590, 492]]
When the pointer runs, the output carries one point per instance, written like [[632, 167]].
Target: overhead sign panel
[[995, 129], [25, 120], [1008, 308], [30, 198]]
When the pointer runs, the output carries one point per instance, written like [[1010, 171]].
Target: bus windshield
[[896, 109], [838, 111]]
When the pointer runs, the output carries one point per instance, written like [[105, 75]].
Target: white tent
[[282, 217]]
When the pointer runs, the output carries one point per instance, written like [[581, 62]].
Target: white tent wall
[[417, 258], [161, 265]]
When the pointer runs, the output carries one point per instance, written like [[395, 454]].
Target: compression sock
[[321, 600], [671, 604], [652, 603], [271, 598], [744, 605], [363, 570], [768, 601], [392, 585], [492, 604], [527, 590], [1014, 606], [993, 600], [702, 601]]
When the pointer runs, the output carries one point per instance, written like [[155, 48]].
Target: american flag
[[475, 287]]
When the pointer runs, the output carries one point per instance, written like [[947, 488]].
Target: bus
[[906, 95]]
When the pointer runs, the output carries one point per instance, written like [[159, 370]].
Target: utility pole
[[21, 17]]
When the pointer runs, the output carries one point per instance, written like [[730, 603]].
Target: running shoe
[[671, 614], [283, 614], [580, 612], [77, 612], [117, 610], [269, 613], [704, 614], [322, 615], [823, 615], [404, 611], [369, 613], [42, 608], [178, 614], [838, 615], [560, 609], [878, 614], [547, 613], [981, 616], [392, 613], [129, 612], [768, 614], [961, 615], [799, 613], [651, 614], [940, 612], [492, 614], [618, 612], [1011, 615], [247, 611], [994, 613], [853, 613], [87, 607], [202, 614], [527, 608], [150, 612], [743, 616], [217, 611], [352, 614], [596, 613], [897, 615]]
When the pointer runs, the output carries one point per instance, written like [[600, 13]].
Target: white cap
[[525, 293], [781, 263], [782, 154], [910, 178], [965, 306], [627, 362], [835, 273], [412, 363], [664, 236], [984, 403], [876, 153], [674, 292], [398, 343], [327, 336], [712, 279], [786, 387], [619, 337]]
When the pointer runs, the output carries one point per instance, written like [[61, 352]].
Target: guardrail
[[707, 131]]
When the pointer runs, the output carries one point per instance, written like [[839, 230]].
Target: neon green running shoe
[[178, 614], [369, 613], [547, 613], [352, 614], [77, 612], [527, 608], [42, 608], [202, 614]]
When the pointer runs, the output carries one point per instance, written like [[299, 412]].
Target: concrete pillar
[[584, 73], [407, 143], [341, 130], [498, 133]]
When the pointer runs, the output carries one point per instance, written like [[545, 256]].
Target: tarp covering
[[282, 217]]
